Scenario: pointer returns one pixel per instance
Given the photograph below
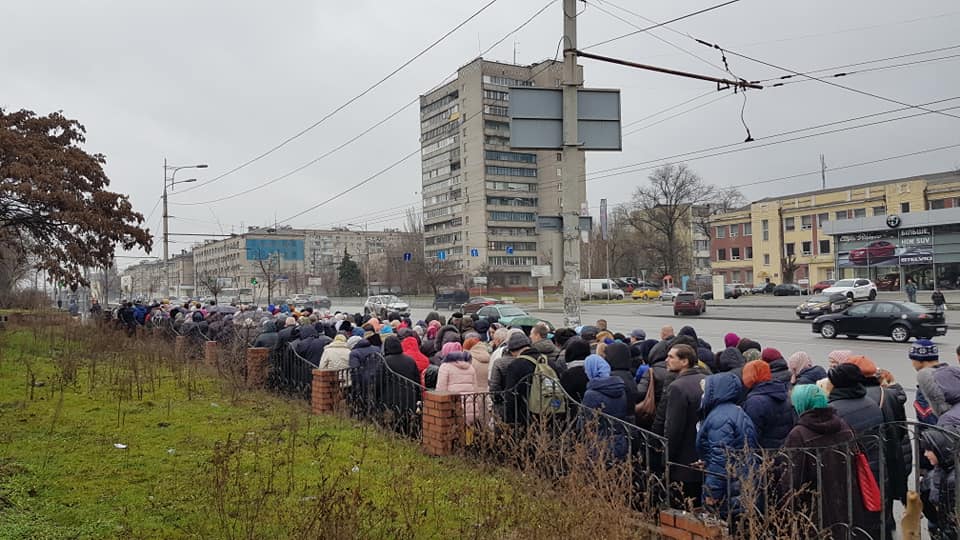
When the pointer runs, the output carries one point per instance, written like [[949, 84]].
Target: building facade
[[813, 235], [732, 246], [481, 198]]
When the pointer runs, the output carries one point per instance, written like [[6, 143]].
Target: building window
[[765, 227], [511, 216], [859, 212], [824, 247], [497, 110], [937, 204], [520, 157], [789, 224], [766, 259], [510, 171], [496, 94], [904, 208], [721, 232], [789, 249], [806, 223], [702, 262], [514, 279], [734, 230], [735, 254], [879, 210], [805, 247], [735, 276], [748, 229], [721, 254], [842, 214], [749, 253], [822, 218], [701, 245]]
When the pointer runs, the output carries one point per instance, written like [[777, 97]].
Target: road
[[771, 325]]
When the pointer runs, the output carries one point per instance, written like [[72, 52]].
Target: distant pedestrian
[[939, 302], [911, 290]]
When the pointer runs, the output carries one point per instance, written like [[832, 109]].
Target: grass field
[[104, 437]]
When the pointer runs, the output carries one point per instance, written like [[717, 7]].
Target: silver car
[[384, 304]]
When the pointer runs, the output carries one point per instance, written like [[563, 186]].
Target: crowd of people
[[707, 402]]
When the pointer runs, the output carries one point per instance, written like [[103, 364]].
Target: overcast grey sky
[[221, 82]]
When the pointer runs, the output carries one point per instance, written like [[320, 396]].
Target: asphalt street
[[771, 325]]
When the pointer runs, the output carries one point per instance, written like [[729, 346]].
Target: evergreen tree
[[350, 277]]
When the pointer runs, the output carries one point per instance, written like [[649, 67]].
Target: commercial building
[[481, 198], [843, 232]]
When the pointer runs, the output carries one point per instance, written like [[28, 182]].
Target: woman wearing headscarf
[[802, 370], [605, 393], [821, 433], [838, 357]]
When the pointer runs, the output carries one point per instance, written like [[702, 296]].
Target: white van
[[600, 288]]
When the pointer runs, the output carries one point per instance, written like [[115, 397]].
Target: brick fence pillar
[[680, 525], [211, 353], [258, 364], [442, 423], [325, 395], [179, 345]]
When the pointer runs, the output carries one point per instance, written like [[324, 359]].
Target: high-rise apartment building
[[481, 198]]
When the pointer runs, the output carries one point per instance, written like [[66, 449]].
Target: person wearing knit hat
[[386, 329], [746, 343], [925, 357], [731, 358], [767, 404], [802, 370], [867, 367], [731, 340], [778, 366], [353, 340], [838, 357], [606, 393]]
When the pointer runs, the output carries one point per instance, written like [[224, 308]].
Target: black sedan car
[[819, 304], [899, 320], [787, 289]]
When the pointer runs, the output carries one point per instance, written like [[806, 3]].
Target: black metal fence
[[290, 373]]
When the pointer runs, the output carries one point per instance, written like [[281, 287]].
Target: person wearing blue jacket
[[767, 404], [605, 393], [726, 428]]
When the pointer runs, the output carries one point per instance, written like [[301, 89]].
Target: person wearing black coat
[[268, 335], [311, 344], [779, 369], [767, 404], [938, 490], [364, 364], [574, 379], [730, 359], [397, 384], [682, 405], [517, 378], [659, 351], [606, 393], [618, 357], [289, 332]]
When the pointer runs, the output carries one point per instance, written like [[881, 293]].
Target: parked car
[[732, 291], [384, 304], [764, 288], [877, 250], [819, 304], [899, 320], [669, 294], [626, 286], [321, 302], [741, 288], [476, 303], [889, 282], [787, 289], [600, 288], [645, 292], [821, 285], [450, 300], [855, 289], [505, 313], [688, 303]]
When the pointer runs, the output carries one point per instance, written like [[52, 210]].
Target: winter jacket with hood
[[861, 413], [810, 375], [731, 359], [780, 371], [574, 379], [548, 349], [310, 345], [336, 355], [457, 375], [618, 356], [446, 334], [607, 395], [726, 427], [768, 406], [268, 336], [947, 380], [397, 381], [412, 349], [364, 364], [898, 451], [824, 428], [481, 363], [682, 406], [938, 490]]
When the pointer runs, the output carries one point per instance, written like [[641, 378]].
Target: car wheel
[[850, 296], [676, 313], [900, 333], [828, 330], [873, 295]]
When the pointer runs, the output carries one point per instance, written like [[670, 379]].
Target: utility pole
[[572, 182], [172, 181], [823, 172]]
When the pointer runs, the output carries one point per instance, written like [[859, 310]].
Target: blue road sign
[[509, 250], [442, 255], [407, 257], [474, 252]]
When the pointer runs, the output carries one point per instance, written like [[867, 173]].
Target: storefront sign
[[886, 248]]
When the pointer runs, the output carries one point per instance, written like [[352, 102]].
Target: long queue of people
[[706, 402]]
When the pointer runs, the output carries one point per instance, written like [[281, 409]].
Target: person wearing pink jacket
[[458, 375]]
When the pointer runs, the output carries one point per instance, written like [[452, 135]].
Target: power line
[[672, 116], [372, 127], [870, 70], [658, 25], [865, 62], [347, 103]]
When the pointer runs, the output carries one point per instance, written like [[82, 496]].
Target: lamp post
[[366, 256], [171, 181]]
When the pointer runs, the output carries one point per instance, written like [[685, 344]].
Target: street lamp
[[366, 249], [171, 181]]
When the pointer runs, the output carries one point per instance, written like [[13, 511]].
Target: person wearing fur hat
[[767, 404], [778, 366], [802, 370]]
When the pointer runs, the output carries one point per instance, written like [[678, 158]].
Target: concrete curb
[[751, 319]]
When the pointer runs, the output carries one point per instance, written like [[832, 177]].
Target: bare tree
[[789, 267], [212, 284], [726, 199], [661, 213], [269, 265]]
